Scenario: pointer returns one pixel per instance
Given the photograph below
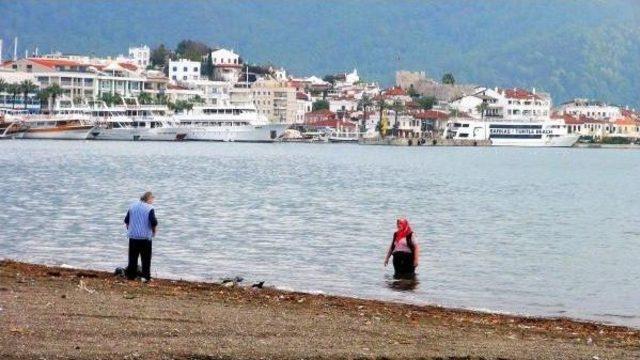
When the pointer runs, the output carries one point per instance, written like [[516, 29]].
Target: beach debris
[[300, 301], [236, 280], [17, 330], [63, 296], [228, 284], [258, 285], [128, 296], [596, 357], [589, 341], [83, 286], [119, 271], [53, 273]]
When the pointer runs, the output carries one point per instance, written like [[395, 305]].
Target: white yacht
[[547, 133], [230, 122], [137, 123]]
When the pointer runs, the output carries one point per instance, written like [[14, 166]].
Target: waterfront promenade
[[54, 312]]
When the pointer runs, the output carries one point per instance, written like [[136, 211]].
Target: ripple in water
[[534, 231]]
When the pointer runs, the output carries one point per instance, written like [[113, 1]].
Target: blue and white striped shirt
[[140, 219]]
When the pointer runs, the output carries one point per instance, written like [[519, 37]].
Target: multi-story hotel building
[[276, 100]]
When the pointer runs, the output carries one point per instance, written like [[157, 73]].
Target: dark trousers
[[403, 265], [142, 248]]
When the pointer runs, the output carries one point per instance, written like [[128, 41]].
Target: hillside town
[[416, 108]]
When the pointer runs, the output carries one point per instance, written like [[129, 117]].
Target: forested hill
[[587, 48]]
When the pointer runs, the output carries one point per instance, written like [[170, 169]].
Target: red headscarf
[[404, 230]]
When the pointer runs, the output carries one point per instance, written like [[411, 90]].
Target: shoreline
[[54, 311]]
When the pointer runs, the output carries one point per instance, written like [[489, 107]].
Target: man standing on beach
[[141, 225]]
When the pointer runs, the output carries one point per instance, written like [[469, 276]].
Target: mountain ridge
[[568, 48]]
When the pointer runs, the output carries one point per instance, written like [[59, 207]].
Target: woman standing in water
[[405, 251]]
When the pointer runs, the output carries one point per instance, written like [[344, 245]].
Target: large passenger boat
[[548, 133], [138, 123], [229, 123]]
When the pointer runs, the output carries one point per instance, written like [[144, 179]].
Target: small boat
[[343, 137], [11, 127]]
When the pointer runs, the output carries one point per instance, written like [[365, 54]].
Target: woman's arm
[[416, 254], [390, 251]]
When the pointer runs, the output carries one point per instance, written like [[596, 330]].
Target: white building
[[343, 104], [505, 104], [140, 55], [305, 105], [591, 109], [212, 92], [227, 65], [184, 70]]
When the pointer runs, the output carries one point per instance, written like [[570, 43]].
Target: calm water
[[550, 232]]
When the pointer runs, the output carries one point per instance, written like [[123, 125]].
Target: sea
[[532, 231]]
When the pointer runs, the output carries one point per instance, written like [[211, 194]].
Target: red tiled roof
[[334, 123], [520, 94], [302, 96], [321, 112], [129, 66], [625, 121], [52, 63], [568, 119], [395, 91], [431, 114]]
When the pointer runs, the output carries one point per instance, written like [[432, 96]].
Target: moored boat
[[11, 127], [141, 123], [229, 123], [548, 133]]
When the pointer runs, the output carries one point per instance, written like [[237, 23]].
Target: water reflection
[[403, 283]]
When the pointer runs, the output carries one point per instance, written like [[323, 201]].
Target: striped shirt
[[140, 220]]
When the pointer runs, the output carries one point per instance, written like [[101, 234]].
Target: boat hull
[[560, 141], [70, 133], [243, 133], [137, 134]]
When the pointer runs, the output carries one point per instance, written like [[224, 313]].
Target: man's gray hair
[[146, 196]]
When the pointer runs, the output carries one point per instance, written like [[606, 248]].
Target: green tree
[[364, 104], [482, 108], [14, 90], [448, 79], [192, 50], [397, 108], [426, 102], [3, 85], [160, 56], [197, 100], [27, 87], [43, 96], [162, 99], [54, 91], [320, 105], [111, 99], [412, 92], [145, 98], [207, 67], [383, 123]]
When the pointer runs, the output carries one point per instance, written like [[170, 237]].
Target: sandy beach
[[49, 313]]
